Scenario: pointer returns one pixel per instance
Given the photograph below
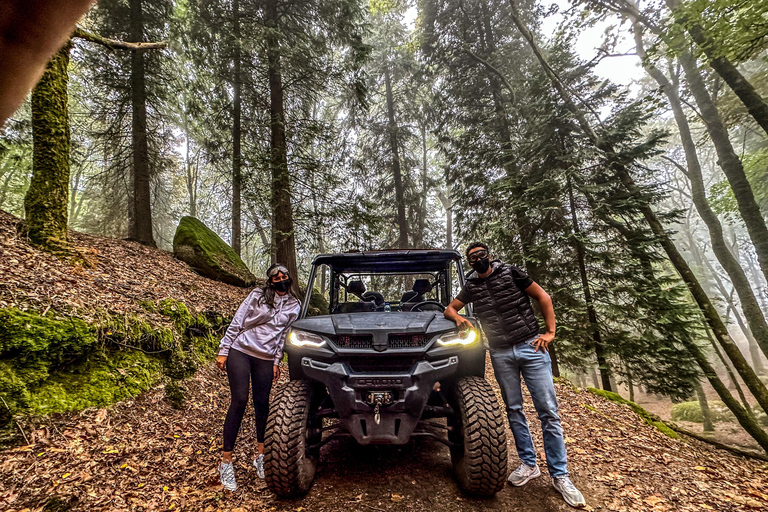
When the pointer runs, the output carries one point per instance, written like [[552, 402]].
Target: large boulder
[[208, 254]]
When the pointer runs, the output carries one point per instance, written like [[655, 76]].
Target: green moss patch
[[51, 363], [208, 254], [650, 419]]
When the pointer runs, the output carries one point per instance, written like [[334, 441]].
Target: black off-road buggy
[[368, 367]]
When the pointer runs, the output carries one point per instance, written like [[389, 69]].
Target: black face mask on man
[[481, 265], [281, 286]]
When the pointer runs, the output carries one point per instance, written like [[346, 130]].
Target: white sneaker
[[227, 475], [258, 463], [570, 493], [523, 474]]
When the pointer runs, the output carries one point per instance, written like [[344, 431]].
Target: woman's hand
[[221, 362], [275, 372]]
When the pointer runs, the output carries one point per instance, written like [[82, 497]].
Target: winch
[[377, 399]]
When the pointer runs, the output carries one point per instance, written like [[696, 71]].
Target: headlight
[[451, 339], [305, 339]]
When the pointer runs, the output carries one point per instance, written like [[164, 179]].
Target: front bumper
[[409, 390]]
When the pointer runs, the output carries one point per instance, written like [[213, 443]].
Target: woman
[[250, 352]]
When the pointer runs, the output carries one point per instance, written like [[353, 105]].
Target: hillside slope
[[108, 275], [99, 326]]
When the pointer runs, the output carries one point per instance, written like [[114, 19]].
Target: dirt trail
[[144, 455]]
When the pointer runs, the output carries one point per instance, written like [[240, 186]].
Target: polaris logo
[[380, 382]]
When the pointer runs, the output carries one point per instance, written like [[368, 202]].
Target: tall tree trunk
[[236, 132], [141, 228], [743, 89], [594, 325], [630, 386], [11, 171], [282, 224], [448, 205], [729, 161], [595, 379], [705, 413], [729, 371], [422, 220], [73, 193], [45, 203], [755, 385], [703, 262], [191, 175], [752, 312], [392, 128]]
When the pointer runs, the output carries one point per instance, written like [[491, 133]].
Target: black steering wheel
[[430, 302]]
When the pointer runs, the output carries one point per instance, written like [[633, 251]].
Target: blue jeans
[[509, 364]]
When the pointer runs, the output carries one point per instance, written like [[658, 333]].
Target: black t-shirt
[[522, 280]]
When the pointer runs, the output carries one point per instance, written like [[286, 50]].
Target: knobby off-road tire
[[480, 455], [289, 465]]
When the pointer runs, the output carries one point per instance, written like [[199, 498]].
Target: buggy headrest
[[356, 287], [421, 286]]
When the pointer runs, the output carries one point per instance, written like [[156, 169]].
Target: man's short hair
[[475, 245]]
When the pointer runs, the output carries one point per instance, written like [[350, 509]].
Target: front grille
[[353, 341], [382, 364], [408, 340]]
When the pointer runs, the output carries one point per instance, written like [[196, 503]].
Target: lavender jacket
[[259, 331]]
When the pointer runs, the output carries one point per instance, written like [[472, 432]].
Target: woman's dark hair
[[268, 293], [474, 245]]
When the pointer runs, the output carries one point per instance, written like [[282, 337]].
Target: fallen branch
[[716, 444], [115, 44]]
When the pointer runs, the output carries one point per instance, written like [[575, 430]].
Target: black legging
[[242, 368]]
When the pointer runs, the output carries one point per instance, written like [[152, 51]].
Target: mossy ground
[[51, 363], [647, 417]]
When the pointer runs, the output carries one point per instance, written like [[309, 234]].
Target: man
[[501, 296]]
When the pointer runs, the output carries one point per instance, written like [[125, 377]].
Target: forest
[[297, 128]]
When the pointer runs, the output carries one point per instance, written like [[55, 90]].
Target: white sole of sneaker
[[536, 474]]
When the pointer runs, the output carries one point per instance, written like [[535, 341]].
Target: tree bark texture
[[141, 228], [282, 223], [45, 203], [402, 225], [755, 385], [730, 264], [236, 131]]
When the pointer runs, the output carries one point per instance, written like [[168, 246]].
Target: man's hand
[[221, 362], [543, 341], [275, 372], [463, 324]]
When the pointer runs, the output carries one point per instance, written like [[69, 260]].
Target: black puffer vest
[[504, 310]]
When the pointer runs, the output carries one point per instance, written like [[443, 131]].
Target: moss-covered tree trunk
[[45, 203], [392, 129]]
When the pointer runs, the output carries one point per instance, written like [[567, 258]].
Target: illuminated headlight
[[305, 339], [452, 339]]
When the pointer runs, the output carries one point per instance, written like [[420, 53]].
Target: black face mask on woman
[[281, 286], [481, 265]]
